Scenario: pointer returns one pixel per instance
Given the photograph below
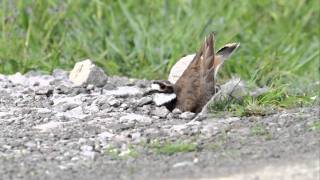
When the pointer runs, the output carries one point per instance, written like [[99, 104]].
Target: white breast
[[162, 98]]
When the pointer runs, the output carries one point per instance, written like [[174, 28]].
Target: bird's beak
[[149, 92]]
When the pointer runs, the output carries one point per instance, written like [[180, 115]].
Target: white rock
[[161, 112], [187, 115], [114, 102], [155, 117], [76, 158], [194, 122], [61, 99], [210, 129], [231, 119], [30, 144], [135, 135], [74, 113], [86, 148], [183, 164], [89, 154], [44, 91], [66, 167], [7, 146], [93, 109], [124, 106], [105, 135], [48, 126], [133, 118], [124, 91], [63, 107], [195, 160], [85, 72], [176, 111], [90, 87], [82, 140], [41, 111], [179, 128]]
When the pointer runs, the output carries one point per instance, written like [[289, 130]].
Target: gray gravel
[[52, 130]]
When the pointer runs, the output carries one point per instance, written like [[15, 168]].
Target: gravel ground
[[51, 130]]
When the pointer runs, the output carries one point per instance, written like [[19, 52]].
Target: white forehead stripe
[[155, 87], [162, 98]]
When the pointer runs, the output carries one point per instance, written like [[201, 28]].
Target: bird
[[192, 80]]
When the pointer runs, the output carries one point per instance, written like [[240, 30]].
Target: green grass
[[315, 126], [116, 153], [268, 103], [170, 148], [214, 146], [260, 130], [279, 39]]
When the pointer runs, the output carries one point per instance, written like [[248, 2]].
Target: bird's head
[[163, 92]]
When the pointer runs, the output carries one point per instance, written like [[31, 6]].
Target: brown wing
[[194, 88], [207, 81], [208, 53], [208, 59]]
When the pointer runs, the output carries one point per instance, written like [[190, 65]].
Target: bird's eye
[[162, 86]]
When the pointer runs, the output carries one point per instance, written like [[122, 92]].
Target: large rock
[[135, 118], [124, 91], [85, 72], [161, 112], [187, 115]]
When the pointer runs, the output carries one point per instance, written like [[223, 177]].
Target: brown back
[[196, 85]]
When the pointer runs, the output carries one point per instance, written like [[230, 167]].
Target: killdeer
[[192, 81]]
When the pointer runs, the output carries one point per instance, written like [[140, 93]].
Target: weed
[[265, 104], [118, 154], [113, 152], [259, 130], [169, 148], [213, 146], [315, 126]]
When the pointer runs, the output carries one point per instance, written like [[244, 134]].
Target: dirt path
[[49, 130]]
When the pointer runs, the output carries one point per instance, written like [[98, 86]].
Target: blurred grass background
[[143, 39]]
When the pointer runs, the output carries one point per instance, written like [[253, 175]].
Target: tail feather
[[208, 55]]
